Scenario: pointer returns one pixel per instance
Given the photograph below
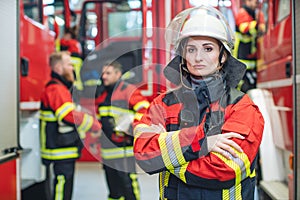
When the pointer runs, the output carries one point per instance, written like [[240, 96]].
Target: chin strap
[[221, 55]]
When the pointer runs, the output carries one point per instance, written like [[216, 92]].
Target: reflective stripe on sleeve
[[252, 28], [86, 123], [63, 110], [138, 116], [171, 153], [140, 105], [250, 25], [140, 129], [240, 165]]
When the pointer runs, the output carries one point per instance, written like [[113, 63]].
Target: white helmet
[[200, 21]]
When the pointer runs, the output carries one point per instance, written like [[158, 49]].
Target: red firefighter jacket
[[176, 150], [118, 107], [60, 122]]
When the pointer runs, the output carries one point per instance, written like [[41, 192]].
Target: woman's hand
[[223, 144]]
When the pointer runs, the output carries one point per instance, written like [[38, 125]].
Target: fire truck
[[32, 28], [277, 96]]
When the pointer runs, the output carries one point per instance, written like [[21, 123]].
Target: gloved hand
[[223, 144]]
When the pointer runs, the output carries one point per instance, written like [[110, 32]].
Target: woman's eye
[[191, 50], [208, 49]]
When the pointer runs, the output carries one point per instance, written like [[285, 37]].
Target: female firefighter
[[203, 136]]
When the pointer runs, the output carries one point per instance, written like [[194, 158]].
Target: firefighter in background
[[69, 43], [249, 24], [119, 105], [203, 137], [60, 125]]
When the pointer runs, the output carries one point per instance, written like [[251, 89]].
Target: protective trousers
[[122, 185], [177, 190], [61, 187]]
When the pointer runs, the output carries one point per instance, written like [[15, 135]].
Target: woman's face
[[202, 56]]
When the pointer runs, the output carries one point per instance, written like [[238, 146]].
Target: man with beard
[[60, 126]]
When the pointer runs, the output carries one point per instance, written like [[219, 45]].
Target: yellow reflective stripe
[[182, 170], [236, 45], [252, 28], [59, 188], [140, 105], [92, 82], [113, 111], [240, 165], [138, 116], [179, 155], [251, 25], [253, 174], [244, 38], [163, 182], [243, 26], [251, 64], [77, 63], [172, 154], [233, 193], [164, 151], [225, 194], [104, 111], [118, 152], [119, 111], [43, 135], [236, 168], [135, 186], [47, 116], [59, 154], [63, 110], [86, 123], [238, 191], [177, 148], [121, 198], [140, 129], [57, 44]]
